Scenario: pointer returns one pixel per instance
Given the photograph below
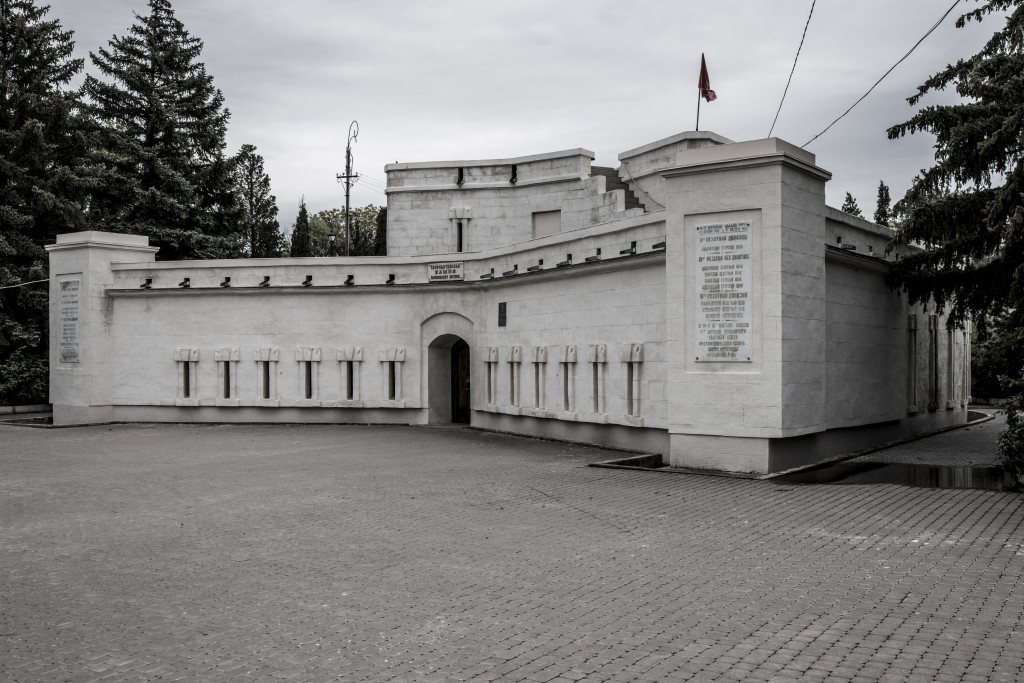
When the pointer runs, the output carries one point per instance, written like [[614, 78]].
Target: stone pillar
[[745, 226], [81, 358]]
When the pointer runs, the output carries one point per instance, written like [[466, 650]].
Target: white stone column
[[725, 412], [81, 376]]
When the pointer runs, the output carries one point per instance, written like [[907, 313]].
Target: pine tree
[[302, 244], [162, 146], [883, 209], [850, 206], [44, 180], [969, 206], [257, 215]]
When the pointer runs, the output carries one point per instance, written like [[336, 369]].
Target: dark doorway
[[460, 382]]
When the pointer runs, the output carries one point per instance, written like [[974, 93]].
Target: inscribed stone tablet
[[723, 292], [68, 303]]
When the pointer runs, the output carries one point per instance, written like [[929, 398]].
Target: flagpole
[[698, 110]]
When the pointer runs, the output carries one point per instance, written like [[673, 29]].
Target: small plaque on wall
[[443, 272], [722, 256]]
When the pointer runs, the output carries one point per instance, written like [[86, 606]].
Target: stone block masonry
[[728, 321]]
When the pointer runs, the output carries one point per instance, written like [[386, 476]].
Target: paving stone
[[217, 553]]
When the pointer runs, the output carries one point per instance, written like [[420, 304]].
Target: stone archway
[[448, 379], [448, 339]]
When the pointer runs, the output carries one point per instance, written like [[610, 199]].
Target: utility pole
[[349, 176]]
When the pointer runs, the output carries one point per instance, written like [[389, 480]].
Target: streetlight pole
[[353, 136]]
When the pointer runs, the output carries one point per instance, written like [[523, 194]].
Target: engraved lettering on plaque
[[723, 292], [443, 272], [67, 308]]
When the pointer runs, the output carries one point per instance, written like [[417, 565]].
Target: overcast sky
[[459, 79]]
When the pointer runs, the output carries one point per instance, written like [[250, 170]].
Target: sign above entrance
[[443, 272]]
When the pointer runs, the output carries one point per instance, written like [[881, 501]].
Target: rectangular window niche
[[515, 366], [633, 358], [912, 405], [391, 358], [490, 356], [308, 358], [568, 368], [185, 362], [266, 376], [351, 360], [227, 376], [540, 374], [597, 356]]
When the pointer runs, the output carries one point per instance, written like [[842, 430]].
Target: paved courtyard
[[321, 553]]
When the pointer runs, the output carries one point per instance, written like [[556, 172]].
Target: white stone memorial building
[[700, 301]]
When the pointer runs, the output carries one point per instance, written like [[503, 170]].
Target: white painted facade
[[578, 300]]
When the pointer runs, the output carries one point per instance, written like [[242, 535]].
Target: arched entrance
[[448, 380], [460, 381]]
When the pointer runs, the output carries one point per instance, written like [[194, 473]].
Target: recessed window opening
[[950, 368], [186, 380], [566, 367], [490, 385], [596, 386], [912, 362], [536, 385], [391, 380], [462, 177], [933, 362], [227, 379], [511, 384], [350, 380], [629, 389], [265, 371], [458, 236], [308, 379]]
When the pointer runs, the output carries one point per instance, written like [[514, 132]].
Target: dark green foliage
[[883, 207], [998, 348], [850, 206], [365, 240], [1011, 442], [162, 141], [969, 207], [381, 241], [974, 224], [302, 243], [44, 181], [257, 208]]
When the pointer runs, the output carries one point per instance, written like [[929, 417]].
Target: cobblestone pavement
[[320, 553], [974, 445]]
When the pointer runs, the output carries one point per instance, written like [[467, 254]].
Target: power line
[[800, 47], [23, 284], [934, 26]]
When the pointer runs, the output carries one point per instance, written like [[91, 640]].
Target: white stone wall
[[641, 168], [602, 313], [425, 202]]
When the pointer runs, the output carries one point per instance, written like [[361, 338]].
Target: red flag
[[704, 83]]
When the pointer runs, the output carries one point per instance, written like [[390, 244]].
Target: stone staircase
[[614, 182]]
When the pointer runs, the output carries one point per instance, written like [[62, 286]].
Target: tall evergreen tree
[[883, 207], [380, 246], [850, 206], [163, 127], [257, 215], [44, 180], [969, 206], [302, 244]]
